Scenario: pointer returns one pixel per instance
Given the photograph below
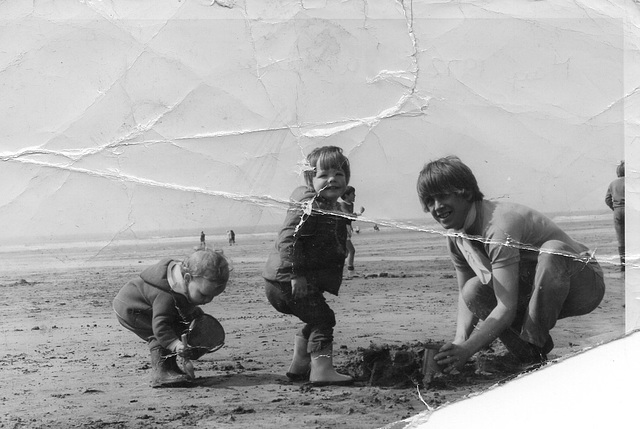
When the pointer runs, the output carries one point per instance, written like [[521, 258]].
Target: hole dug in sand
[[410, 365], [395, 366]]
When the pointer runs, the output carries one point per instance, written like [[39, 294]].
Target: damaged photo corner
[[137, 133]]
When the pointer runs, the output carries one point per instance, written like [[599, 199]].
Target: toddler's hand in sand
[[183, 351], [299, 287], [179, 349]]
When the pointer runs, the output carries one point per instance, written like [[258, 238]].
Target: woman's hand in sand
[[299, 287], [452, 357]]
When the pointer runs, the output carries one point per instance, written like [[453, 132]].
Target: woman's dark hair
[[447, 175]]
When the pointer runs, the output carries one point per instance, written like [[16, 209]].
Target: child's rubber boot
[[163, 374], [322, 371], [350, 272], [301, 362]]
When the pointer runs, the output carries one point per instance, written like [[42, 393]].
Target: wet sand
[[66, 362]]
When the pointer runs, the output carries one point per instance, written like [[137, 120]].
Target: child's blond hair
[[207, 263]]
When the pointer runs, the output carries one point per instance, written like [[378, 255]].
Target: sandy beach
[[66, 362]]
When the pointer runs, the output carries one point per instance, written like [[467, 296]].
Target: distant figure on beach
[[160, 304], [615, 201], [202, 242], [375, 227], [517, 271], [308, 260], [346, 205], [231, 236]]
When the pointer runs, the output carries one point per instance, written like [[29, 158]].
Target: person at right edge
[[615, 201], [517, 271]]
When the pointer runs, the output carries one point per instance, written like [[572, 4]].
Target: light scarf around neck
[[477, 260]]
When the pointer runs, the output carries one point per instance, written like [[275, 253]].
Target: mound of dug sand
[[411, 365], [395, 366]]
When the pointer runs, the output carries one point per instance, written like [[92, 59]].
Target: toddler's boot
[[301, 362], [164, 375], [351, 272], [322, 371]]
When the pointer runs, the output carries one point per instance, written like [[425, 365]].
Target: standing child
[[308, 260], [159, 305], [346, 205]]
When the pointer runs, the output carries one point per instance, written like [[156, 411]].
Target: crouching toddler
[[162, 302]]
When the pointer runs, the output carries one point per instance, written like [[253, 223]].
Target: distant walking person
[[615, 200], [202, 243], [346, 205], [232, 237]]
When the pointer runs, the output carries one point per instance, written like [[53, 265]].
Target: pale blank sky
[[123, 120]]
